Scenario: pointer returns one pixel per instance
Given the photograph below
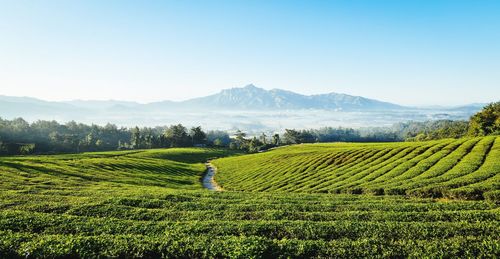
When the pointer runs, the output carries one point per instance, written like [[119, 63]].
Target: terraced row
[[150, 204], [467, 168], [148, 167], [152, 221]]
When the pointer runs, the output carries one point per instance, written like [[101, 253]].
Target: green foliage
[[291, 136], [431, 130], [150, 204], [486, 122], [198, 136], [218, 138], [493, 196], [177, 136], [457, 169], [19, 137]]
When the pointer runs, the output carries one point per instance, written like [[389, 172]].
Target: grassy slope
[[150, 204], [463, 168], [173, 168]]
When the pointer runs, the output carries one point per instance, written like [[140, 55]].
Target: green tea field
[[467, 168], [291, 202]]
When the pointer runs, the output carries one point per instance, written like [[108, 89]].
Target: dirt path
[[208, 179]]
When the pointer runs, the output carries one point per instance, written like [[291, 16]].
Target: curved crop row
[[462, 168], [150, 204]]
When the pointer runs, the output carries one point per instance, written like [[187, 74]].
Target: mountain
[[247, 108], [248, 98], [97, 104], [251, 97], [12, 106]]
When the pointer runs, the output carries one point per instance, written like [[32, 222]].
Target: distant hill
[[251, 97], [19, 106], [107, 104], [248, 108], [247, 98]]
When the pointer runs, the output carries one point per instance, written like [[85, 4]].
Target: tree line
[[18, 136], [483, 123]]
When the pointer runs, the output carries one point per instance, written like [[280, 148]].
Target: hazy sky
[[407, 52]]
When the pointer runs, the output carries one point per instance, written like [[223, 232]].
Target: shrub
[[492, 196], [465, 193]]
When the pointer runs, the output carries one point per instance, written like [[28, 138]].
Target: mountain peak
[[249, 90], [250, 86]]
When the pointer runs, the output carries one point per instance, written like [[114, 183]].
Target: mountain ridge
[[248, 108], [252, 97], [246, 98]]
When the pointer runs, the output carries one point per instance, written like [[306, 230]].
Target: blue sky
[[407, 52]]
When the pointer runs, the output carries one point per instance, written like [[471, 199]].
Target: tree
[[218, 142], [241, 141], [177, 136], [486, 122], [239, 135], [263, 138], [222, 137], [26, 149], [198, 136], [276, 139], [163, 141], [306, 136], [148, 138], [254, 145], [291, 136], [135, 140]]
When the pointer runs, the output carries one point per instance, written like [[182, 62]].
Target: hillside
[[168, 168], [463, 168], [150, 204], [180, 224]]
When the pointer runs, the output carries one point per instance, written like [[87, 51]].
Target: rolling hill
[[150, 204], [466, 168]]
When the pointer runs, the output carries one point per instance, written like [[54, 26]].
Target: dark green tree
[[291, 136], [263, 138], [177, 136], [221, 137], [135, 140], [198, 136], [241, 142], [254, 145], [276, 139], [486, 122]]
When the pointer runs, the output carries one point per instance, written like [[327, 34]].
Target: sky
[[406, 52]]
